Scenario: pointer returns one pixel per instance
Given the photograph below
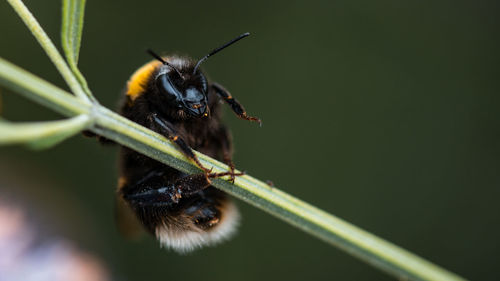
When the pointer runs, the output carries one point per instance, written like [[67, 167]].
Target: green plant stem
[[50, 49], [357, 242], [327, 227]]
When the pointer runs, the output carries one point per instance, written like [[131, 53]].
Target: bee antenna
[[156, 56], [216, 50]]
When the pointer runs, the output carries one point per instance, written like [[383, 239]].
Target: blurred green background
[[383, 113]]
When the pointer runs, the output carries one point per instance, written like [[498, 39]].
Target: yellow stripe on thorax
[[122, 181], [138, 81]]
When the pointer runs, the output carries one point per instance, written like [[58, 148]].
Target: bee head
[[183, 89], [184, 86]]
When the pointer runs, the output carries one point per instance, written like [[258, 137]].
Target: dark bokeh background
[[383, 113]]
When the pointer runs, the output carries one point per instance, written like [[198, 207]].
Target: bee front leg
[[169, 131], [235, 105]]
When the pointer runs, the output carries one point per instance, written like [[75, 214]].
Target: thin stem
[[327, 227], [357, 242], [49, 48]]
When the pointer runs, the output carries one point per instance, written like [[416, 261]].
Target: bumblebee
[[171, 96]]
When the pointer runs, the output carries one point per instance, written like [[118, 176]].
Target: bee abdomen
[[208, 225]]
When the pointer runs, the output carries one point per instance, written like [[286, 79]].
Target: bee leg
[[224, 138], [232, 174], [170, 132], [235, 105], [170, 194]]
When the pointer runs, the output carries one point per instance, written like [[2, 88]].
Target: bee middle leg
[[171, 133]]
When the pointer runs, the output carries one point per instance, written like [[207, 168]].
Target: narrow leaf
[[71, 36], [72, 26], [41, 135]]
